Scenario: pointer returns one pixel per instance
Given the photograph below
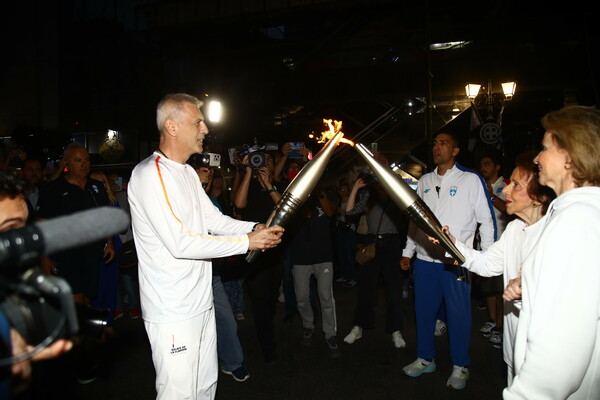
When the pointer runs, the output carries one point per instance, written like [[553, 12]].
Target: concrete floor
[[371, 368]]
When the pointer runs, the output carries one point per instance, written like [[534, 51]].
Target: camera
[[208, 160], [41, 308], [256, 153]]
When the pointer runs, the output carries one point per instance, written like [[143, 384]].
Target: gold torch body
[[300, 188], [409, 202]]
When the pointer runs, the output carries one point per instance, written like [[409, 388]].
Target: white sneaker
[[398, 340], [418, 367], [440, 328], [458, 379], [354, 335]]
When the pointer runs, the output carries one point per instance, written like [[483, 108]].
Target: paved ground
[[369, 369]]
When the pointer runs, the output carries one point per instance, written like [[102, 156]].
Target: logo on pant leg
[[176, 349]]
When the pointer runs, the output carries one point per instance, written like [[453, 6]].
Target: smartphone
[[295, 150]]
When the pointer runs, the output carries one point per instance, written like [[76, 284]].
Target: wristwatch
[[273, 189]]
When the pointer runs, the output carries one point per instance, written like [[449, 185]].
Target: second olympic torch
[[300, 188], [409, 202]]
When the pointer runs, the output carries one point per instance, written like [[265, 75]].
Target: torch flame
[[334, 128]]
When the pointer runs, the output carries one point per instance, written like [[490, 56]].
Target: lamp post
[[491, 128]]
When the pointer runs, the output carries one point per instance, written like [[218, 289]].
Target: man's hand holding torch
[[263, 238]]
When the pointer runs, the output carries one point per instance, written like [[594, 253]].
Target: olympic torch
[[300, 188], [409, 202]]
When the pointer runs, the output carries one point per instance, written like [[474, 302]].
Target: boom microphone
[[25, 245]]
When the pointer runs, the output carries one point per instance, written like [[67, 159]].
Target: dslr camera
[[256, 153]]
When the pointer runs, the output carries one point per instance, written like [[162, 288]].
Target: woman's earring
[[535, 204]]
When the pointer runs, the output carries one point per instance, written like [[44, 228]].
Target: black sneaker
[[239, 375], [333, 351], [307, 336]]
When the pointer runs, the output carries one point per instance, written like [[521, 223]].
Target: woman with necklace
[[528, 201]]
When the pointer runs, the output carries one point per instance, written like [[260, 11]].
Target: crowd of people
[[528, 242]]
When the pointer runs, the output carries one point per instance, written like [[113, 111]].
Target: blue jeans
[[229, 348]]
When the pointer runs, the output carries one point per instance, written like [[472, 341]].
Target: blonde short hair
[[576, 129]]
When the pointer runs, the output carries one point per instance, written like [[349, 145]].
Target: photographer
[[13, 214], [255, 198]]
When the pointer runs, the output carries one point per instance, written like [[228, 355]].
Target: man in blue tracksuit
[[458, 197]]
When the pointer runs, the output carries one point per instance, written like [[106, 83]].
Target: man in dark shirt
[[72, 192], [255, 199]]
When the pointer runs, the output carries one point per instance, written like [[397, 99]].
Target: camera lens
[[256, 160]]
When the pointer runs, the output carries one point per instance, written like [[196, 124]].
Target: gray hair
[[72, 146], [171, 106]]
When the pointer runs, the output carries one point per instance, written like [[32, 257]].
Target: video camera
[[40, 306], [256, 153]]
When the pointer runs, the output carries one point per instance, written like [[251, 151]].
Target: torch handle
[[281, 214]]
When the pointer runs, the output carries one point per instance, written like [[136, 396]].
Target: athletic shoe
[[440, 327], [341, 280], [135, 313], [118, 314], [333, 351], [496, 339], [307, 336], [240, 317], [354, 335], [486, 329], [398, 340], [418, 367], [458, 379], [239, 375], [482, 306]]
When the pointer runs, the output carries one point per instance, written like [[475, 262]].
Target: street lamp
[[491, 128]]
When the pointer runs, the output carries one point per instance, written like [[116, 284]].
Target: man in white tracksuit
[[458, 198], [177, 230]]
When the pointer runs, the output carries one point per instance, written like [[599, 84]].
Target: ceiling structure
[[281, 66], [365, 62]]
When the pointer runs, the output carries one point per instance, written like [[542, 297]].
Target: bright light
[[448, 45], [214, 111], [472, 90], [509, 89], [111, 134]]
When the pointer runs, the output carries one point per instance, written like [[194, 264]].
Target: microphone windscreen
[[81, 228]]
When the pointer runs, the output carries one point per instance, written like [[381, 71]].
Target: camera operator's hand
[[286, 148], [265, 177], [265, 238], [21, 371], [246, 164]]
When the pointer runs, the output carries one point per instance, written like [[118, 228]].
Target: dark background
[[78, 68]]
